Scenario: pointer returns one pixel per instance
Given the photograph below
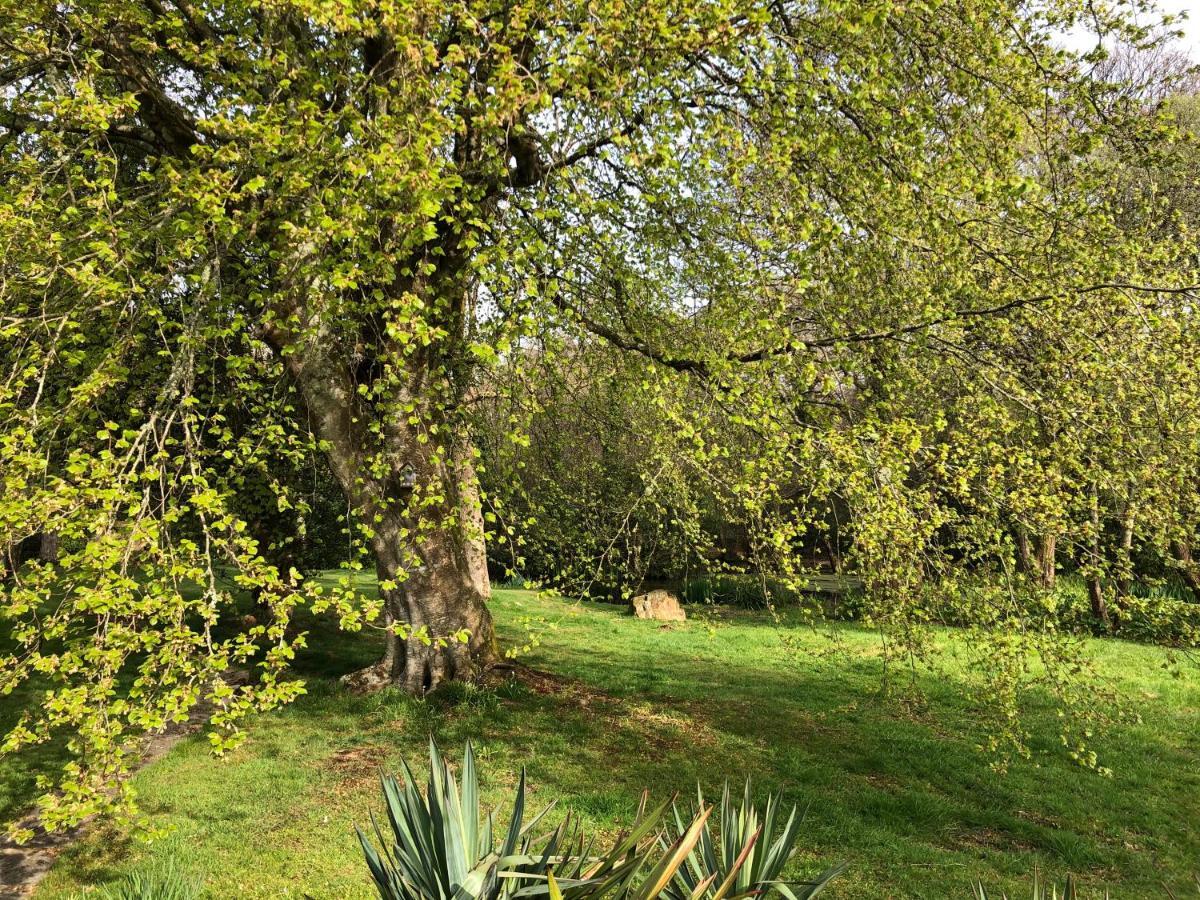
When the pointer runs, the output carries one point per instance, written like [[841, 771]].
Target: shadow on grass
[[877, 780], [906, 798]]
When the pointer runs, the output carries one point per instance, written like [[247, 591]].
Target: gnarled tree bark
[[441, 587], [431, 561]]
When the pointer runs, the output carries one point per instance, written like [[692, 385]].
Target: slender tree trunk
[[1046, 569], [48, 547], [1125, 577], [1094, 584], [1096, 598], [1025, 562], [1189, 569], [9, 560]]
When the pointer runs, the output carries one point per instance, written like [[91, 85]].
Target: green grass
[[903, 796]]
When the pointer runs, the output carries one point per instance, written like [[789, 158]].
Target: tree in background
[[235, 232]]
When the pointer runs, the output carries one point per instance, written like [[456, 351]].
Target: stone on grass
[[661, 605]]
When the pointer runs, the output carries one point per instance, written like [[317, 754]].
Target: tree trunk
[[8, 561], [1125, 576], [17, 553], [48, 547], [441, 591], [1094, 585], [471, 521], [1025, 563], [432, 555], [1189, 569], [1099, 606], [1046, 569]]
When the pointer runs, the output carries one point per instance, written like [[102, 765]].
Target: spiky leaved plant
[[155, 882], [747, 857], [1195, 881], [441, 847], [1042, 890]]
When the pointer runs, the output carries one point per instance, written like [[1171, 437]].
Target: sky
[[1191, 27]]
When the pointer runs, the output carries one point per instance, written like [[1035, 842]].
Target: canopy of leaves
[[866, 254]]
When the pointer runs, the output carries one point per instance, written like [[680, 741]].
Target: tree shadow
[[897, 791]]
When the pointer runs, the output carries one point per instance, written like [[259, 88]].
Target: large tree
[[234, 230]]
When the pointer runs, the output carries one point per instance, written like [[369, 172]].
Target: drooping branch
[[700, 367], [981, 312], [18, 123]]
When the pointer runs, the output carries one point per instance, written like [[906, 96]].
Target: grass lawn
[[902, 796]]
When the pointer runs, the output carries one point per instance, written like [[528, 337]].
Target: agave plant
[[619, 873], [1195, 881], [748, 855], [442, 848], [1041, 890]]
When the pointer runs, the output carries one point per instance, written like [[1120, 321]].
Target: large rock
[[661, 605]]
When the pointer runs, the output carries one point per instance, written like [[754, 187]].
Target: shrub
[[1043, 890], [745, 590], [441, 847], [1163, 612], [748, 855], [162, 882]]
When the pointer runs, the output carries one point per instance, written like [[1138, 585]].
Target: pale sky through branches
[[1190, 27]]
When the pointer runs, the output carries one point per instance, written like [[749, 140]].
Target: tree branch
[[702, 368]]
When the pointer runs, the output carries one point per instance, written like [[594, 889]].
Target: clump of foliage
[[746, 854], [1048, 890], [441, 845], [165, 882], [747, 591]]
